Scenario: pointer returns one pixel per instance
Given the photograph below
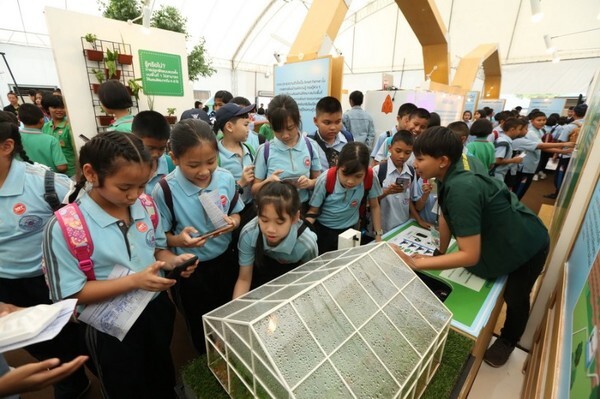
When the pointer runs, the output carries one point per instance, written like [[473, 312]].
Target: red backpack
[[368, 183]]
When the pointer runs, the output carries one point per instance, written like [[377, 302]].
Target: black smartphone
[[176, 272]]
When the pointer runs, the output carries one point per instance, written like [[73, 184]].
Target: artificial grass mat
[[198, 376]]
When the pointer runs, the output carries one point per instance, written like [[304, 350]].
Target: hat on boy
[[231, 110]]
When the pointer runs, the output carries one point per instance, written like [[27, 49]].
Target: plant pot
[[125, 59], [95, 87], [104, 120], [94, 55], [117, 74], [171, 119]]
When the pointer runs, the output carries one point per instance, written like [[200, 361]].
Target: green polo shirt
[[475, 204], [42, 148], [123, 124], [62, 132]]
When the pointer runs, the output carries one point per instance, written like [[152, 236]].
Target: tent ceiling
[[374, 37]]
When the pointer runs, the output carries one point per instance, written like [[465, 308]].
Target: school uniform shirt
[[42, 148], [338, 144], [483, 150], [162, 169], [295, 161], [251, 141], [114, 244], [394, 207], [529, 144], [428, 214], [339, 209], [379, 152], [235, 164], [62, 132], [189, 210], [504, 153], [23, 214], [123, 124], [492, 136], [474, 204], [292, 249], [565, 131]]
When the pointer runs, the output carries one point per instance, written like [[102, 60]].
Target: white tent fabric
[[375, 37]]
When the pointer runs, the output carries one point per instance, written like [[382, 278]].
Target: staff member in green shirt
[[116, 100], [60, 128], [495, 233]]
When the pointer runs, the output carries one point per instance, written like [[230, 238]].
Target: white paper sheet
[[211, 202], [65, 312], [116, 316]]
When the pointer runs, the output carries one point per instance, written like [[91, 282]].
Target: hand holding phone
[[175, 274]]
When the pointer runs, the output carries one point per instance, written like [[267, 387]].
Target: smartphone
[[176, 272], [402, 182]]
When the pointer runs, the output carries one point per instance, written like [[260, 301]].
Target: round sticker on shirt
[[150, 238], [19, 208], [307, 162], [31, 223], [142, 227], [354, 203]]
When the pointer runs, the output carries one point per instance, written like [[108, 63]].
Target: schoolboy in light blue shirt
[[329, 136], [291, 250], [402, 117], [504, 159], [185, 196]]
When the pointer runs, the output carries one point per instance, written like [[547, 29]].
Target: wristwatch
[[378, 232]]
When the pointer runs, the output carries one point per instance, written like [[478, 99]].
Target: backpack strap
[[250, 151], [382, 172], [412, 171], [266, 151], [368, 180], [168, 201], [233, 202], [50, 195], [150, 207], [349, 137], [77, 236], [330, 180]]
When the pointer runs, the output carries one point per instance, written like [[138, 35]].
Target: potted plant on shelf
[[93, 54], [134, 87], [171, 118], [124, 58], [100, 76], [104, 120], [110, 63]]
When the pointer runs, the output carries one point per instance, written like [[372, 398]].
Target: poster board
[[496, 105], [548, 105], [307, 82], [472, 298], [471, 102]]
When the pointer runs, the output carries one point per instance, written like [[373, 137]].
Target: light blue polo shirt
[[565, 131], [394, 207], [161, 171], [252, 140], [340, 209], [427, 213], [380, 149], [294, 161], [292, 249], [23, 214], [123, 124], [235, 164], [529, 144], [133, 249], [339, 143], [189, 211], [504, 153]]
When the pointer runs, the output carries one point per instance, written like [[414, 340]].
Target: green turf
[[198, 376]]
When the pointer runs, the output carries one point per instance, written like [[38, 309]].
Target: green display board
[[472, 299], [161, 73]]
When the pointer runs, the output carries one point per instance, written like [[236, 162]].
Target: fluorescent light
[[536, 11], [549, 47]]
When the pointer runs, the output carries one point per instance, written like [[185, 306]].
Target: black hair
[[563, 120], [552, 120], [224, 95], [196, 103], [280, 109], [282, 195], [10, 117], [11, 92], [406, 109], [357, 97], [30, 114], [189, 133], [354, 158], [52, 100], [460, 128], [470, 113], [579, 110], [438, 142], [434, 119], [404, 136], [488, 111], [421, 113], [571, 108], [329, 105], [513, 123], [536, 114], [104, 151], [151, 124], [241, 101], [482, 128], [260, 111], [114, 95], [31, 92], [10, 130], [482, 113], [502, 116]]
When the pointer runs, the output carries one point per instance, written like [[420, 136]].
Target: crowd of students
[[137, 203]]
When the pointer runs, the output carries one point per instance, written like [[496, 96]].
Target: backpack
[[50, 195], [498, 144], [169, 201], [382, 172], [549, 136], [368, 183], [308, 145], [575, 132], [330, 154], [77, 234]]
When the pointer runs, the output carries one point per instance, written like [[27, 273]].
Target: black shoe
[[551, 196], [499, 352]]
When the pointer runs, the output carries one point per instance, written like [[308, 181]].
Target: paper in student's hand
[[211, 202], [522, 155]]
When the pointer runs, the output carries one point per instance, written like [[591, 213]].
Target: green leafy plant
[[110, 61], [198, 62], [100, 76], [91, 39], [121, 10], [171, 111], [169, 18], [135, 87]]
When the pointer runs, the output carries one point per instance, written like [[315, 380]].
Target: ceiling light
[[536, 11]]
